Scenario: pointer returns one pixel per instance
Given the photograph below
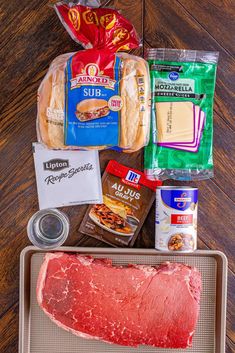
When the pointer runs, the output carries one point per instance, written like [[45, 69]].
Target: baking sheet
[[44, 336]]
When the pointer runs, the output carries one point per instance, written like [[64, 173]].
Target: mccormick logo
[[132, 179], [56, 164], [91, 75]]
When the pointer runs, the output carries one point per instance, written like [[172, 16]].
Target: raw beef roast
[[134, 305]]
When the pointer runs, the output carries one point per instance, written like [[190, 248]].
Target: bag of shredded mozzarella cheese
[[181, 143]]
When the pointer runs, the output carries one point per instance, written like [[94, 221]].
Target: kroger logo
[[173, 76], [133, 177]]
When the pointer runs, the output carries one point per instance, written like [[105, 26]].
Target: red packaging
[[98, 27]]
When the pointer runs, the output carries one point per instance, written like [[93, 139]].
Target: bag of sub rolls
[[98, 97]]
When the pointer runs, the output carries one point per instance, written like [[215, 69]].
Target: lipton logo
[[56, 164], [133, 177], [92, 75]]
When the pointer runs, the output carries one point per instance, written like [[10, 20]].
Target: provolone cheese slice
[[175, 122], [192, 147]]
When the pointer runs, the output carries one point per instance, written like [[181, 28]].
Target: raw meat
[[130, 306]]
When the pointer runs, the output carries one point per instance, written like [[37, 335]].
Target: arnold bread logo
[[91, 75], [133, 177], [56, 164]]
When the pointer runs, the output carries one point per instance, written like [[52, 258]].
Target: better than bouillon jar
[[176, 218]]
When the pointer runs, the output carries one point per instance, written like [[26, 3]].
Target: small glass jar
[[48, 229]]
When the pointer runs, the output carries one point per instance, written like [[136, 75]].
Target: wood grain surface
[[31, 37]]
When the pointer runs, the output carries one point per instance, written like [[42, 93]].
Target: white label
[[55, 114], [179, 86], [182, 199], [67, 177]]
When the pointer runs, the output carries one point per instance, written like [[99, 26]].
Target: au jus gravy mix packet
[[127, 198]]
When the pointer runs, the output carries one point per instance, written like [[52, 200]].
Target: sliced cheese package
[[99, 97], [181, 139]]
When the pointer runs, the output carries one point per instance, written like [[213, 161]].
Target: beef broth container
[[176, 218]]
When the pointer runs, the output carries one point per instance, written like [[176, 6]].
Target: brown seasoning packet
[[127, 198]]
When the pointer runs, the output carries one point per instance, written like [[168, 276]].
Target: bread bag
[[99, 97]]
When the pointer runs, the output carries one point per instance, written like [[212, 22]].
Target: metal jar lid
[[48, 229]]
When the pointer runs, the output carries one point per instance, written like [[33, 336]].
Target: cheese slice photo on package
[[181, 138], [199, 119], [175, 122]]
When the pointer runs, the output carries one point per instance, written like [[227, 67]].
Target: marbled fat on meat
[[130, 306]]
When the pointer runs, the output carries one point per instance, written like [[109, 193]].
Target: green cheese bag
[[181, 139]]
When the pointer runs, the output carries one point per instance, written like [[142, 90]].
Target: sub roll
[[134, 116]]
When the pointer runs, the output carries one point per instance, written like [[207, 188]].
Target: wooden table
[[31, 37]]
